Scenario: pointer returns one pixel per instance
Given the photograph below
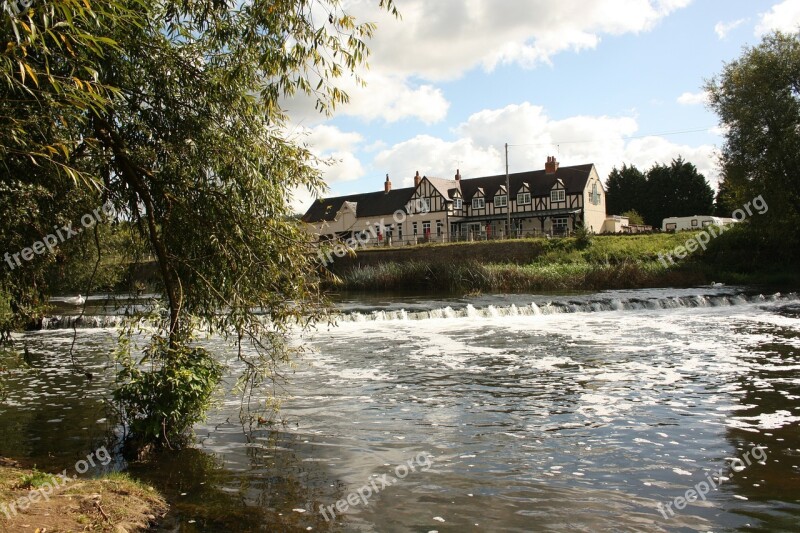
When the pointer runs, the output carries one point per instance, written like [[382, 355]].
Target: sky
[[608, 82]]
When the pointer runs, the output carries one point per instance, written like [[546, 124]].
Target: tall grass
[[473, 276], [607, 262]]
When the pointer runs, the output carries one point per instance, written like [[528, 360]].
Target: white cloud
[[386, 97], [337, 152], [324, 139], [688, 98], [444, 39], [432, 156], [722, 29], [784, 16], [392, 99], [339, 162], [478, 148]]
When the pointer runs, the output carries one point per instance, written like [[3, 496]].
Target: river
[[589, 412]]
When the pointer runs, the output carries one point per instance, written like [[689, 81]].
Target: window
[[672, 227], [478, 203], [457, 203], [595, 199], [400, 233], [438, 228], [524, 198], [501, 200], [707, 223], [560, 225], [558, 195], [422, 205], [694, 222], [426, 229], [453, 230], [414, 227]]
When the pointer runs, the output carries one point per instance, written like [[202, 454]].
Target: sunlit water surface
[[534, 413]]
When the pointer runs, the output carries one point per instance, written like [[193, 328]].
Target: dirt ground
[[113, 504]]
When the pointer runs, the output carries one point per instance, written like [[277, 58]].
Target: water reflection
[[585, 416]]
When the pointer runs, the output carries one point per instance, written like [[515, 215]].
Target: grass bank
[[114, 503], [598, 263]]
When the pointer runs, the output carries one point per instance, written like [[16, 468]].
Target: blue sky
[[603, 81]]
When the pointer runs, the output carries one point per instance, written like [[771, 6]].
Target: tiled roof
[[371, 204], [444, 186], [377, 204], [539, 182]]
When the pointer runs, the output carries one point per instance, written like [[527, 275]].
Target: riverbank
[[599, 263], [112, 503]]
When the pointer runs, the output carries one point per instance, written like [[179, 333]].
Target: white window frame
[[558, 195], [423, 205], [457, 203], [498, 203], [560, 222], [524, 198], [426, 229], [478, 203]]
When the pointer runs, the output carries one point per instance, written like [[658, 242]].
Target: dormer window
[[558, 195], [501, 200], [524, 198], [478, 203], [457, 203]]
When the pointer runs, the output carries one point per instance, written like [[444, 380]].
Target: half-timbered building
[[553, 201]]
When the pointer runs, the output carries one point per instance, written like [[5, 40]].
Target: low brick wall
[[517, 252]]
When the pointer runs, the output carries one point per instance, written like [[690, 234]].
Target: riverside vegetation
[[583, 262]]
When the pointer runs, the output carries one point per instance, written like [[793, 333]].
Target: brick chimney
[[417, 179], [458, 174], [551, 166], [387, 187]]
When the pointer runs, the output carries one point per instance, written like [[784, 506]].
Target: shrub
[[164, 394]]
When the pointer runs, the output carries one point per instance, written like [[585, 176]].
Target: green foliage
[[677, 190], [37, 479], [173, 112], [611, 262], [625, 189], [663, 191], [634, 217], [166, 392], [120, 247], [583, 237], [49, 80], [757, 98]]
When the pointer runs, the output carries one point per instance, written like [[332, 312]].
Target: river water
[[592, 412]]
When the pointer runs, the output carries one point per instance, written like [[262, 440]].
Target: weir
[[469, 311]]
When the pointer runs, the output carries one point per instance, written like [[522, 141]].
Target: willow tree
[[190, 142], [48, 89]]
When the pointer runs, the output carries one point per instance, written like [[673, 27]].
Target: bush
[[583, 237], [163, 395]]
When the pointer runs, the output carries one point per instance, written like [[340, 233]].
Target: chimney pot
[[417, 179], [551, 167], [458, 174], [387, 187]]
